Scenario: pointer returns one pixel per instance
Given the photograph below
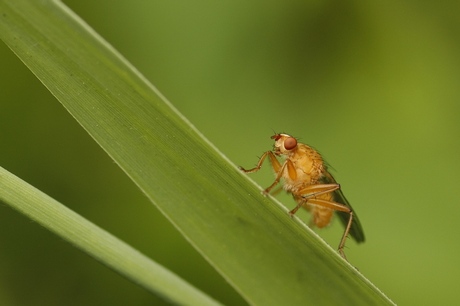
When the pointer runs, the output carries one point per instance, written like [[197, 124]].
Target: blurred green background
[[374, 87]]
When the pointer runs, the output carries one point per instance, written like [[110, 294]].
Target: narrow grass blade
[[98, 243], [249, 239]]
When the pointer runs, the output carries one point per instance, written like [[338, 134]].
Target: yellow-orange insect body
[[305, 176]]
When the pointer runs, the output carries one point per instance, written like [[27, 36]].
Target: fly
[[304, 174]]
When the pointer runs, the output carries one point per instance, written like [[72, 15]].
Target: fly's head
[[284, 144]]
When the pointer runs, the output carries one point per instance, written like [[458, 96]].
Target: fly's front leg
[[259, 164], [277, 167]]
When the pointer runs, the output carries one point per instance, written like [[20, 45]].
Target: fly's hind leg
[[337, 207], [310, 192], [309, 195]]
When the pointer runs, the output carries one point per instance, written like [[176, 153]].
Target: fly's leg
[[309, 194], [279, 173], [337, 207], [345, 235], [277, 167], [273, 161], [276, 191]]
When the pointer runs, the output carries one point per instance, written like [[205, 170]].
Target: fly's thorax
[[308, 162], [299, 180]]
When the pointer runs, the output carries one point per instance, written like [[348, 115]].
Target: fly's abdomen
[[321, 215]]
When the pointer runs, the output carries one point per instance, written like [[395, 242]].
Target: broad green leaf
[[98, 243], [249, 239]]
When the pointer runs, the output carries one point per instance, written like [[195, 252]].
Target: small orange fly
[[306, 177]]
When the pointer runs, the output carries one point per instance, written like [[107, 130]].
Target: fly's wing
[[356, 230]]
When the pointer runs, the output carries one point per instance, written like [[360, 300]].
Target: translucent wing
[[356, 230]]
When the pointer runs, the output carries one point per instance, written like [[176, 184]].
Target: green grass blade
[[250, 240], [98, 243]]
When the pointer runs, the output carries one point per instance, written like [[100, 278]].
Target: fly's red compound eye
[[290, 143]]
